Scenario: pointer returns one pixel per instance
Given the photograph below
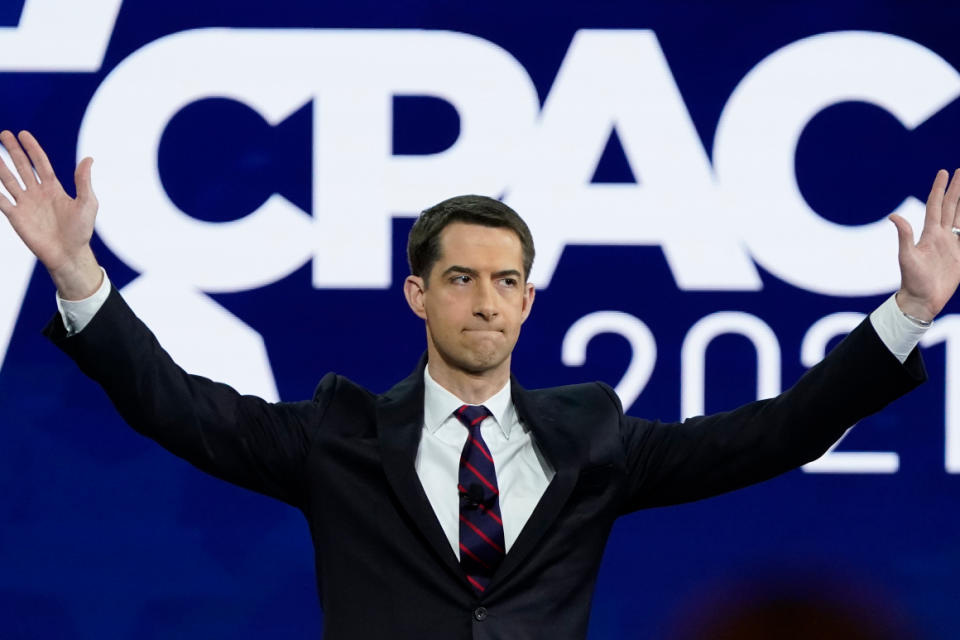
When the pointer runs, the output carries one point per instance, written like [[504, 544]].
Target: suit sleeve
[[239, 438], [707, 455]]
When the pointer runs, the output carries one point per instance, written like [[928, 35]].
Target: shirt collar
[[439, 404]]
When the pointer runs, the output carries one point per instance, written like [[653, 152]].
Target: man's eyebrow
[[458, 269], [473, 272]]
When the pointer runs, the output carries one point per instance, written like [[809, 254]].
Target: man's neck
[[470, 388]]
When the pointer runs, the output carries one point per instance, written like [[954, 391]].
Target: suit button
[[480, 613]]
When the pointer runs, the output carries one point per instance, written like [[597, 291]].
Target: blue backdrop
[[709, 181]]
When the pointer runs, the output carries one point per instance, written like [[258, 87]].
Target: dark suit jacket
[[346, 459]]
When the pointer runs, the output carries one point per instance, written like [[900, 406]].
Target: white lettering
[[17, 266], [694, 350], [359, 185], [947, 330], [812, 350], [137, 219], [202, 337], [757, 137], [643, 348], [620, 80], [58, 35]]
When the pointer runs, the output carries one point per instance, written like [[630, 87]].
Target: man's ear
[[528, 295], [413, 289]]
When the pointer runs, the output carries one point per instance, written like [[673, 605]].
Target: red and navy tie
[[481, 528]]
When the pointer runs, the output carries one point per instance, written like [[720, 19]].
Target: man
[[458, 504]]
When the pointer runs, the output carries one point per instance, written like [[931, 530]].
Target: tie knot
[[471, 415]]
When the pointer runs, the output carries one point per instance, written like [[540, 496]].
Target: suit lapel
[[561, 453], [399, 426]]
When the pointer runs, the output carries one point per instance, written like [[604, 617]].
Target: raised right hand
[[54, 226]]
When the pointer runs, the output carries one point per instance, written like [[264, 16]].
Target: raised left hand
[[930, 269], [54, 226]]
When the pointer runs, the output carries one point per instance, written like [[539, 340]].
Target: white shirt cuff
[[899, 333], [77, 314]]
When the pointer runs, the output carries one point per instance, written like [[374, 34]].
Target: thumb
[[904, 232], [82, 179]]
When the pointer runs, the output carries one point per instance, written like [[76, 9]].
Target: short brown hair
[[423, 243]]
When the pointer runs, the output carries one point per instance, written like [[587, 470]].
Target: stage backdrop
[[707, 184]]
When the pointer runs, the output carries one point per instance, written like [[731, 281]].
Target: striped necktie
[[481, 529]]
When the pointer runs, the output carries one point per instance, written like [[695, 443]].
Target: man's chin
[[481, 365], [476, 357], [480, 362]]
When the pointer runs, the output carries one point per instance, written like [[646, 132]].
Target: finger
[[904, 233], [38, 156], [83, 179], [6, 204], [8, 179], [955, 220], [949, 208], [20, 160], [6, 176], [935, 200]]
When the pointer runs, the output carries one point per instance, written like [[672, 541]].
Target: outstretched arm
[[930, 269], [707, 455], [54, 226], [241, 439]]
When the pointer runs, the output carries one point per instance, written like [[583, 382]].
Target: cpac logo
[[711, 216], [713, 220]]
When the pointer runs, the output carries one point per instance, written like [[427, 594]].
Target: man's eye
[[510, 282], [461, 279]]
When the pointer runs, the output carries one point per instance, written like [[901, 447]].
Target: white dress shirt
[[522, 472]]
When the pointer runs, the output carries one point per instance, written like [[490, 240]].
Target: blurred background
[[707, 184]]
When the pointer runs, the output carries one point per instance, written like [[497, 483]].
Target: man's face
[[477, 297]]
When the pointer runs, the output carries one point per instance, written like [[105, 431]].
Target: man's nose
[[485, 301]]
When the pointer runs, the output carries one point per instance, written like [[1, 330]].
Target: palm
[[930, 269], [54, 226]]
